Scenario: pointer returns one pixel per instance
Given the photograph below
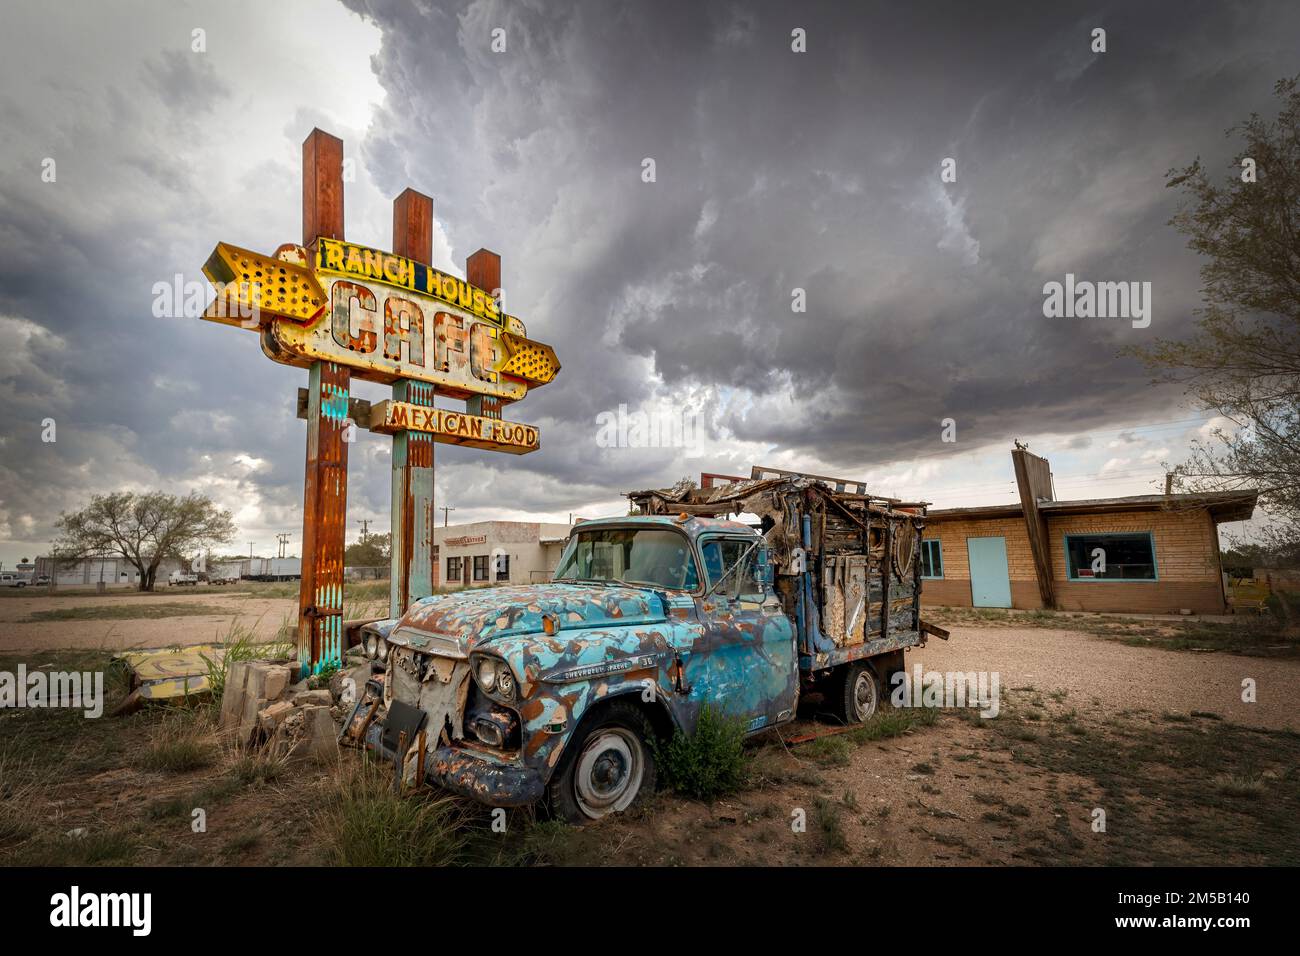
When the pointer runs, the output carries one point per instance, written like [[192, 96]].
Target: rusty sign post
[[325, 496], [341, 310], [411, 543]]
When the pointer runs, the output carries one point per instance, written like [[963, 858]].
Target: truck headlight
[[487, 674], [495, 677], [381, 649]]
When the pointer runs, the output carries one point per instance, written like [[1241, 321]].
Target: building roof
[[1222, 506]]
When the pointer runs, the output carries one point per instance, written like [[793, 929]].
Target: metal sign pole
[[320, 596], [411, 559]]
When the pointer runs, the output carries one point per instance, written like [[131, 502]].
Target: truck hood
[[484, 614]]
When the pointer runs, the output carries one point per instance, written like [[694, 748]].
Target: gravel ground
[[1117, 677]]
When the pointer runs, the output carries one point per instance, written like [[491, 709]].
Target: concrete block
[[232, 699], [320, 735], [271, 716]]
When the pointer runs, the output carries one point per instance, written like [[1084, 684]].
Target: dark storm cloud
[[821, 171], [775, 171]]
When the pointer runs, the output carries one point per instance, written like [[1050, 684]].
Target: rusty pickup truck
[[517, 694]]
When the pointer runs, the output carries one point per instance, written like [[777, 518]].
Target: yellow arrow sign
[[532, 361], [253, 288]]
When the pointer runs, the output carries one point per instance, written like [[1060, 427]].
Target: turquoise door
[[990, 581]]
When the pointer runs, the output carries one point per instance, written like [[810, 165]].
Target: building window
[[1111, 557], [931, 559], [480, 567], [453, 569], [503, 567]]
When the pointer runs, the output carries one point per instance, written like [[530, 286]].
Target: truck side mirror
[[763, 567]]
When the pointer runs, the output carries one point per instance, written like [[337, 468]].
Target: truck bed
[[847, 563]]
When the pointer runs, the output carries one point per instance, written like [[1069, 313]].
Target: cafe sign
[[385, 317]]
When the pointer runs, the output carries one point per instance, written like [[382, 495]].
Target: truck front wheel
[[856, 696], [610, 768]]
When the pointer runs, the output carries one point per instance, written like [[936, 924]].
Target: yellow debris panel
[[171, 672]]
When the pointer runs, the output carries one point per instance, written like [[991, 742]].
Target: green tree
[[144, 529], [371, 552], [1243, 360]]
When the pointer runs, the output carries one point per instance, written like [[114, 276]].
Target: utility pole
[[444, 515], [365, 529], [283, 538]]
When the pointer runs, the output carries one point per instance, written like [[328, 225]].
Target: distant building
[[1141, 553], [115, 572], [497, 552]]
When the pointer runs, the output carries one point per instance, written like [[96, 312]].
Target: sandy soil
[[1117, 677], [959, 793], [264, 615]]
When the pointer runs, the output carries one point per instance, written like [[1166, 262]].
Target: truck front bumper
[[469, 774]]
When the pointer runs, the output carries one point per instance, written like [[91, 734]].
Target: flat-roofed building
[[1140, 554], [497, 552]]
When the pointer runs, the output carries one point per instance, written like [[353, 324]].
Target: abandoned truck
[[516, 694]]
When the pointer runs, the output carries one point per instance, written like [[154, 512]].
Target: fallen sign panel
[[172, 673], [454, 428]]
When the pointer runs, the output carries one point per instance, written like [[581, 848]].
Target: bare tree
[[1243, 361], [144, 529]]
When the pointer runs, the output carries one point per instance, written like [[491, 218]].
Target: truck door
[[752, 671]]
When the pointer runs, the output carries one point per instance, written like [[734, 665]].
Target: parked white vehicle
[[11, 580], [180, 579]]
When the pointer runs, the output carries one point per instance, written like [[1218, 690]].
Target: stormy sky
[[774, 171]]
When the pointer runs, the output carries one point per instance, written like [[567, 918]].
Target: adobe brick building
[[1141, 554]]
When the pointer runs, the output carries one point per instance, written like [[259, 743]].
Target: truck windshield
[[654, 556]]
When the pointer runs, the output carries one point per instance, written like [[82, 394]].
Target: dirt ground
[[1087, 725], [264, 615], [1157, 740], [1112, 677]]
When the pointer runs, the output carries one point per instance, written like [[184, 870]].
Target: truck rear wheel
[[855, 697], [608, 769]]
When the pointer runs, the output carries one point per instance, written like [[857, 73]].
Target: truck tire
[[610, 767], [855, 697]]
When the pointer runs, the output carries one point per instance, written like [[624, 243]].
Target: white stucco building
[[497, 552]]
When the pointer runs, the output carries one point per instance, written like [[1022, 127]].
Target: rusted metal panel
[[483, 269], [413, 226], [320, 598], [322, 186]]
